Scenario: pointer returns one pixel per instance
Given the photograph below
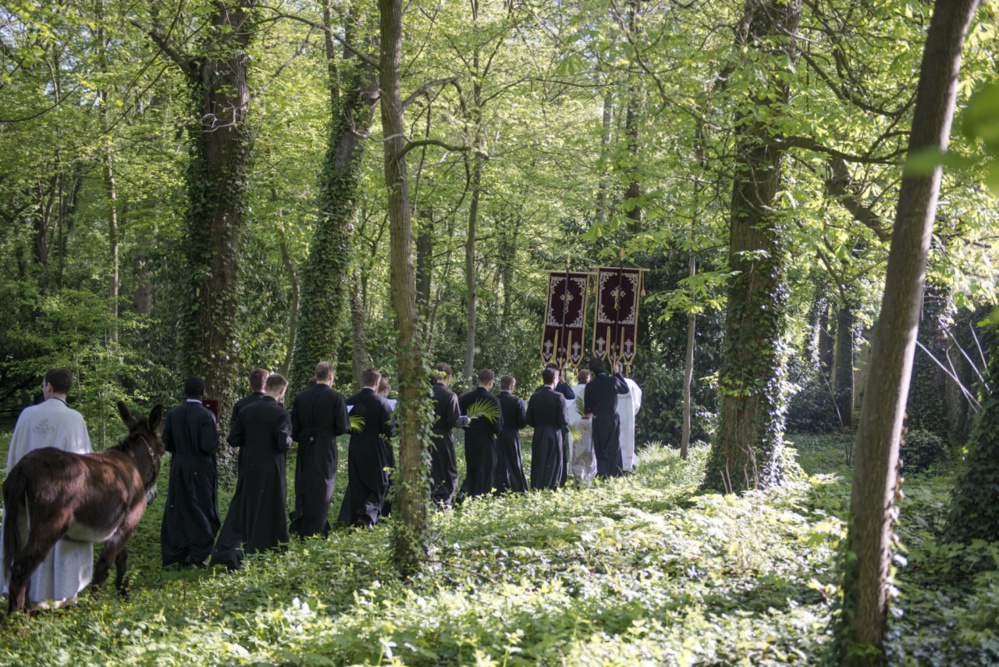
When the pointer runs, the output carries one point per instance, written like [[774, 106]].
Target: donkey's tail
[[14, 490]]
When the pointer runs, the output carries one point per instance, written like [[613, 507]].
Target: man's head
[[384, 388], [57, 382], [554, 367], [370, 378], [442, 373], [548, 376], [486, 378], [194, 387], [324, 373], [597, 366], [584, 376], [258, 378], [275, 386], [508, 382]]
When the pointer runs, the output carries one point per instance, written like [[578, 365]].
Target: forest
[[204, 187]]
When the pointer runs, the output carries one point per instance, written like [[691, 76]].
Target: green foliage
[[974, 508], [811, 409], [920, 450]]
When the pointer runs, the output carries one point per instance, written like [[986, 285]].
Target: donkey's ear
[[126, 416], [155, 416]]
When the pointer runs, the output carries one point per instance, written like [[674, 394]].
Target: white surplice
[[582, 458], [69, 566], [628, 406]]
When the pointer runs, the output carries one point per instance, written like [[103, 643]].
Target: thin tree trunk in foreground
[[872, 503], [413, 488]]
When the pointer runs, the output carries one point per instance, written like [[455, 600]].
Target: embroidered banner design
[[565, 314], [615, 322]]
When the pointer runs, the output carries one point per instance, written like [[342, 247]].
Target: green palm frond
[[356, 423], [575, 431], [579, 406], [483, 408]]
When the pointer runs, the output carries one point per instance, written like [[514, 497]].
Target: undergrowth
[[639, 570]]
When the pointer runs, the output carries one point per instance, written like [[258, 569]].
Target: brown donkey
[[51, 494]]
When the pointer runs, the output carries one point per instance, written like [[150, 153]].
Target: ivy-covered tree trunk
[[866, 583], [413, 489], [221, 143], [324, 276], [926, 404], [974, 506], [470, 286], [747, 451], [842, 375]]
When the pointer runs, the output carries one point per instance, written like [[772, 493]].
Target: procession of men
[[262, 431]]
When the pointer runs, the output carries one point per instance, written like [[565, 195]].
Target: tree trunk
[[473, 221], [325, 274], [605, 139], [872, 504], [747, 452], [410, 536], [358, 326], [424, 258], [842, 375], [221, 142], [111, 190], [688, 360], [296, 298]]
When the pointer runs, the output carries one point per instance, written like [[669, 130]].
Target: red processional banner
[[615, 322], [565, 313]]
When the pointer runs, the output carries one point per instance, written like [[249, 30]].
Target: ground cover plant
[[640, 570]]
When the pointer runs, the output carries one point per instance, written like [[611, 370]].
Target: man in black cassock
[[257, 520], [258, 378], [509, 465], [318, 416], [191, 514], [546, 413], [600, 400], [480, 438], [443, 462], [563, 388], [369, 456]]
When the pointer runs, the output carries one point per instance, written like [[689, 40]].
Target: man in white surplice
[[69, 566], [582, 458], [628, 406]]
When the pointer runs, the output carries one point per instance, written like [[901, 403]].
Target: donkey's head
[[144, 436]]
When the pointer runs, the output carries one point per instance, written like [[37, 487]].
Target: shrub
[[921, 449], [811, 410]]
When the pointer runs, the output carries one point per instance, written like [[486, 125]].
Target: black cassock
[[240, 404], [480, 445], [600, 399], [566, 391], [318, 416], [443, 462], [257, 520], [191, 515], [368, 457], [509, 465], [546, 413]]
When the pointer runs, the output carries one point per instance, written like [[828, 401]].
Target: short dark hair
[[443, 371], [548, 375], [194, 387], [508, 382], [258, 376], [276, 381], [597, 366], [370, 377], [486, 376], [324, 371], [61, 380], [583, 375]]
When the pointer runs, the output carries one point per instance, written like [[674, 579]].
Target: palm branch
[[356, 423], [483, 408], [575, 431], [580, 409]]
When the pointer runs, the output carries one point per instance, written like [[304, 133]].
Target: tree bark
[[872, 504], [688, 361], [473, 221], [358, 328], [842, 375], [111, 189], [410, 536], [747, 452], [296, 299], [325, 274]]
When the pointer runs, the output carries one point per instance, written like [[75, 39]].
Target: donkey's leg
[[120, 563], [24, 564], [115, 549]]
